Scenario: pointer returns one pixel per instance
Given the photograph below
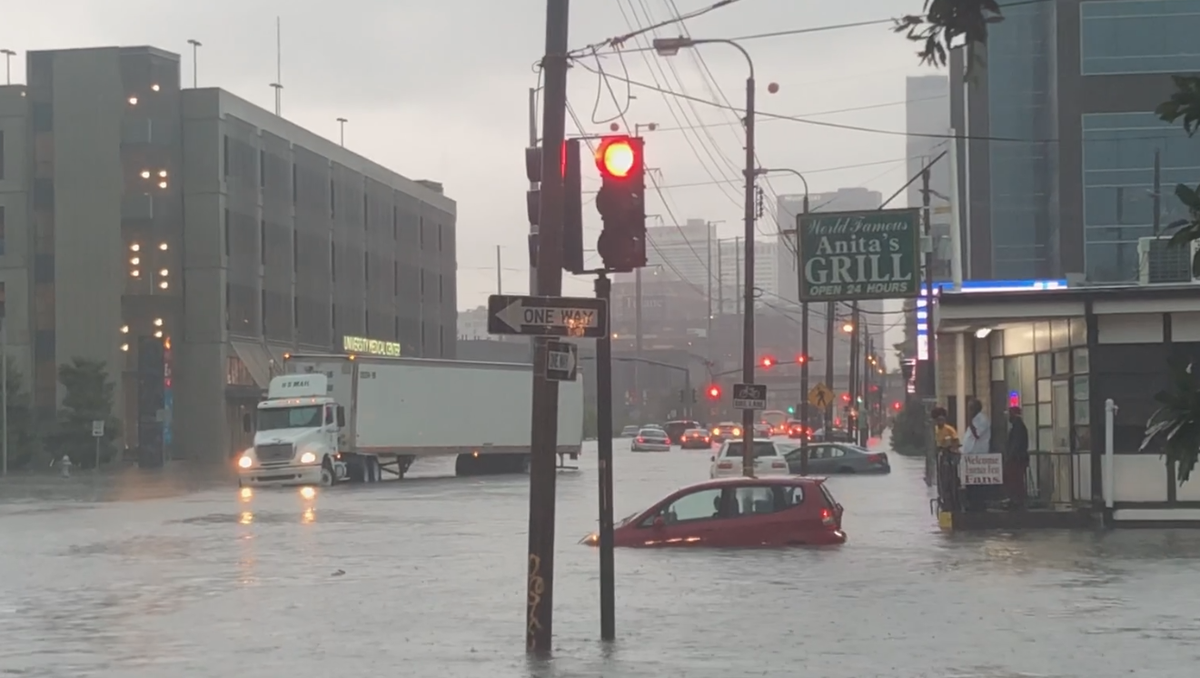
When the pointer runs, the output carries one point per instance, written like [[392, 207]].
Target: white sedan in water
[[769, 458], [651, 440]]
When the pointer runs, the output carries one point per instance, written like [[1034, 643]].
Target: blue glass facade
[[1020, 63], [1139, 36], [1118, 183]]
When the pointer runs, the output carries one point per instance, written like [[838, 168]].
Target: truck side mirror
[[341, 416], [247, 423]]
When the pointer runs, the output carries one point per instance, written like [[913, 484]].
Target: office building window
[[1139, 36], [367, 323], [1119, 152], [332, 200], [228, 301], [366, 209], [366, 267], [43, 194], [422, 282], [262, 311], [333, 318], [295, 251], [396, 328], [421, 232], [225, 230], [225, 155], [262, 168], [333, 262], [395, 212], [441, 288], [395, 279], [294, 191], [439, 229]]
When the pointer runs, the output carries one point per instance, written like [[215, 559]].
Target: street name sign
[[561, 361], [750, 396], [547, 316], [820, 396], [854, 256]]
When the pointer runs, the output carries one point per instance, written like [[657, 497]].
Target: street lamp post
[[196, 45], [342, 130], [670, 47], [8, 55]]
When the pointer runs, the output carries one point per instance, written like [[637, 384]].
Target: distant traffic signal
[[801, 359], [791, 409], [767, 361], [714, 392], [621, 202]]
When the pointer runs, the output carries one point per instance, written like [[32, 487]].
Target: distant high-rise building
[[730, 258], [927, 111], [684, 252]]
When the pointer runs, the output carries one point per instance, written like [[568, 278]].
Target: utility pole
[[927, 377], [737, 277], [533, 229], [830, 320], [708, 341], [544, 410], [748, 291], [804, 348], [604, 459], [852, 378], [720, 280]]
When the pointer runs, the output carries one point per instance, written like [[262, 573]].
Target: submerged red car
[[737, 512]]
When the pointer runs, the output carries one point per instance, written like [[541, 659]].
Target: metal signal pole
[[544, 411], [604, 460]]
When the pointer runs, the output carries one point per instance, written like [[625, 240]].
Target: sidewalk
[[117, 482]]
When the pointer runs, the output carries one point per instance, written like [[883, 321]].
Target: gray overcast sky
[[438, 90]]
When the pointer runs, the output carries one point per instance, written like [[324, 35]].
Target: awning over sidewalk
[[257, 361]]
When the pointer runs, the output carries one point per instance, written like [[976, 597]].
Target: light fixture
[[155, 87], [162, 184], [163, 272], [163, 285], [133, 101], [124, 347], [134, 247], [158, 334], [135, 273], [124, 329], [158, 322], [162, 173], [848, 328], [135, 261], [162, 246], [983, 332], [145, 174]]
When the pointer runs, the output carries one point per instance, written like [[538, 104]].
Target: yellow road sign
[[820, 396]]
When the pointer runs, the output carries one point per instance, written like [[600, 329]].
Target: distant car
[[737, 512], [829, 458], [769, 458], [763, 431], [797, 430], [726, 430], [839, 435], [675, 429], [651, 440], [630, 431], [696, 439]]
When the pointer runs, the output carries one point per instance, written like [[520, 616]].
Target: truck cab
[[297, 435]]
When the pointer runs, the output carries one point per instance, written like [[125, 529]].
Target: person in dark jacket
[[1016, 458]]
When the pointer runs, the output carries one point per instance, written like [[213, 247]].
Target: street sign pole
[[604, 459]]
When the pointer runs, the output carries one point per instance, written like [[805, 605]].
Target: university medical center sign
[[852, 256]]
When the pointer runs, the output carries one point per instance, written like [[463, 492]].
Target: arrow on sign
[[517, 315]]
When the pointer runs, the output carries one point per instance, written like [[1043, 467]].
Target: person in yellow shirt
[[945, 437], [949, 450]]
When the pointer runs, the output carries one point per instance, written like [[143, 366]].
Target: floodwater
[[164, 579]]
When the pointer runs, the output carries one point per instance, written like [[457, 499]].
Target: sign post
[[562, 359], [547, 316], [98, 434], [854, 256]]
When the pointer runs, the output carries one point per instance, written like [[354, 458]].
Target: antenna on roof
[[278, 84]]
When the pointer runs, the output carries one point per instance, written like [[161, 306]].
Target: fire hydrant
[[65, 466]]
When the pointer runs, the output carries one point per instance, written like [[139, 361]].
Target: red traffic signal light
[[714, 392], [896, 406], [801, 359], [767, 361], [845, 397], [618, 157]]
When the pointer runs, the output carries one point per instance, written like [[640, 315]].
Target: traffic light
[[621, 202], [572, 223], [801, 359], [791, 409], [714, 392], [846, 398], [767, 361], [896, 405]]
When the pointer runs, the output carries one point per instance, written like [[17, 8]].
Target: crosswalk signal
[[621, 203]]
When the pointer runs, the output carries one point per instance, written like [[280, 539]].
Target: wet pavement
[[138, 575]]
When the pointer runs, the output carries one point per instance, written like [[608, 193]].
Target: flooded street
[[426, 578]]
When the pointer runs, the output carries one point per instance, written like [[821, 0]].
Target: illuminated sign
[[365, 346], [973, 286]]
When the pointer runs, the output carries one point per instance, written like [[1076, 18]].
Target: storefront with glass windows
[[1059, 355]]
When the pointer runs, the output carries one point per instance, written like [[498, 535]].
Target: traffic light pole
[[748, 283], [604, 460], [830, 320], [544, 411], [804, 331]]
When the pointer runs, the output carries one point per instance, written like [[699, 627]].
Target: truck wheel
[[372, 472], [328, 477]]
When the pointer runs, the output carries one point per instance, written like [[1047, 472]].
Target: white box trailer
[[392, 411]]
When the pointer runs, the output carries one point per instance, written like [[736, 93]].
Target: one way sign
[[547, 316]]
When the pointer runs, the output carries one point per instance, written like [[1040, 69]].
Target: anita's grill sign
[[852, 256], [365, 346]]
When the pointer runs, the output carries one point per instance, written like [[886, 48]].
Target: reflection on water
[[242, 582]]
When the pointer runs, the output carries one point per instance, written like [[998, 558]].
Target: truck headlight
[[308, 458], [245, 461]]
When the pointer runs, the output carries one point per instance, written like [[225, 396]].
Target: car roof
[[739, 481]]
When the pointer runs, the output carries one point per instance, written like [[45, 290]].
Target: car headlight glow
[[245, 461], [308, 458]]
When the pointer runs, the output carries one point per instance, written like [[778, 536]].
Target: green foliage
[[912, 431], [944, 22], [22, 442], [1175, 426], [89, 398]]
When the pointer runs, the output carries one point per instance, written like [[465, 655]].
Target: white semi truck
[[338, 418]]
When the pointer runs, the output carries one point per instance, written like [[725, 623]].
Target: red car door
[[690, 519]]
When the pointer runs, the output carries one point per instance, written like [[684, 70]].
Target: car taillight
[[725, 465], [874, 458], [641, 439], [827, 518]]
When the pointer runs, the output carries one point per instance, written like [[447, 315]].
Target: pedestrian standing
[[977, 440], [1016, 459]]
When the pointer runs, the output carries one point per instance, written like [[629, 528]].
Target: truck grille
[[268, 454]]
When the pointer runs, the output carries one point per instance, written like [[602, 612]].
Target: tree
[[89, 398], [912, 431], [22, 443]]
